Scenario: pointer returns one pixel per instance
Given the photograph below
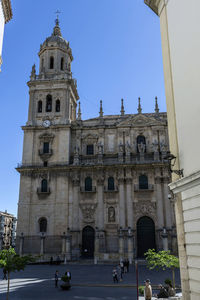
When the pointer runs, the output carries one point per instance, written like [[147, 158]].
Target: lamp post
[[136, 271]]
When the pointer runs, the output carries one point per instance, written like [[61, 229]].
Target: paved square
[[89, 282]]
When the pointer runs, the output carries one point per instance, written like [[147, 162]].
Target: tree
[[162, 260], [11, 262]]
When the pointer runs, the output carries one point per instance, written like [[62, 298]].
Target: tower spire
[[101, 110], [139, 106], [79, 111], [156, 106], [56, 30], [122, 107]]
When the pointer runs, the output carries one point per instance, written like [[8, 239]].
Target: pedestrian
[[56, 279], [163, 292], [58, 260], [122, 266], [51, 260], [114, 274], [127, 265], [68, 274], [171, 290], [4, 274], [147, 290], [119, 272]]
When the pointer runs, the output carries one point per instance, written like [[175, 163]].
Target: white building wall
[[2, 23], [184, 42]]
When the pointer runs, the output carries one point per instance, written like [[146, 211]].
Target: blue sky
[[117, 53]]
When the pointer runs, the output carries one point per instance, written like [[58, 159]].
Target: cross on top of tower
[[57, 15]]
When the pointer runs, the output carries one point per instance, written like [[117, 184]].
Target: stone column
[[167, 204], [121, 200], [165, 239], [42, 243], [68, 246], [130, 245], [121, 244], [76, 188], [96, 246], [63, 243], [159, 201], [100, 207], [129, 202], [21, 244]]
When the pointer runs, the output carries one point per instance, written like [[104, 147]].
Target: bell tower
[[53, 92]]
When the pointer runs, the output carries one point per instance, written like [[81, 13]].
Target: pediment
[[140, 120], [90, 136]]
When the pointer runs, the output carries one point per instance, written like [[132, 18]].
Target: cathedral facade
[[95, 188]]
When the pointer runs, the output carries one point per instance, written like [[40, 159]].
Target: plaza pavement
[[89, 282]]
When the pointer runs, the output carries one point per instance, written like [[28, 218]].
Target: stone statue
[[76, 151], [111, 214], [100, 148], [33, 72], [121, 148], [128, 147], [141, 147], [163, 146], [155, 146]]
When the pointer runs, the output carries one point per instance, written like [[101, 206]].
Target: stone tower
[[52, 108]]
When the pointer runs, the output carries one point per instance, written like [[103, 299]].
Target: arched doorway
[[88, 236], [145, 235]]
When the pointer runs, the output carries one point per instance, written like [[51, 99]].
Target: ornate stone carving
[[88, 211], [75, 179], [141, 147], [144, 208], [111, 214]]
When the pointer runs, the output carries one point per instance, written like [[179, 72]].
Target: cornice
[[185, 183], [7, 10], [34, 128], [156, 5]]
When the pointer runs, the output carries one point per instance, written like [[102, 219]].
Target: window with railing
[[143, 182], [111, 184], [44, 186], [45, 147], [88, 184], [90, 150]]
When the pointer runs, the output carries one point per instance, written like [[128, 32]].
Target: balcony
[[41, 192], [138, 189], [106, 190], [93, 189]]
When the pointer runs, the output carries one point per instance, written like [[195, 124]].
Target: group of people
[[164, 292], [120, 270], [68, 274]]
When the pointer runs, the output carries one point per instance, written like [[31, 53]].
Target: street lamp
[[172, 160]]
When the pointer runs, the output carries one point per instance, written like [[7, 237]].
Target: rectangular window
[[90, 149], [46, 147]]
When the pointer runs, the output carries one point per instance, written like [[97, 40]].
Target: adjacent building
[[95, 188], [180, 29], [7, 230], [5, 16]]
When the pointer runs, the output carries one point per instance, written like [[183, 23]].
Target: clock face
[[46, 123]]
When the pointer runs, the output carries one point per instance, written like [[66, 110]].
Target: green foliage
[[65, 278], [168, 281], [141, 290], [12, 262], [161, 260]]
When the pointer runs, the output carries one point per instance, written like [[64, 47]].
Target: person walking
[[147, 290], [119, 273], [4, 274], [56, 279], [68, 274], [114, 273], [163, 292]]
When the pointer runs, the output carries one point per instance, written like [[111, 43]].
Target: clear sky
[[117, 53]]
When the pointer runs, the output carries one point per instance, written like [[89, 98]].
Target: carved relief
[[144, 209], [111, 214], [88, 211]]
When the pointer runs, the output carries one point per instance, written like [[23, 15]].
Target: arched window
[[49, 103], [51, 63], [44, 186], [57, 105], [111, 184], [143, 182], [43, 225], [62, 63], [141, 141], [40, 106], [88, 184]]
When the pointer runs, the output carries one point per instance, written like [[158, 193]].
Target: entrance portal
[[88, 236], [145, 235]]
